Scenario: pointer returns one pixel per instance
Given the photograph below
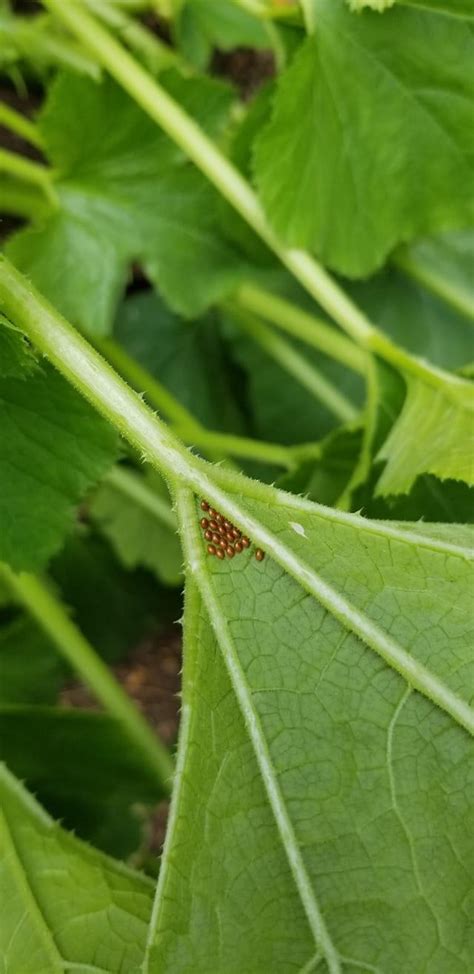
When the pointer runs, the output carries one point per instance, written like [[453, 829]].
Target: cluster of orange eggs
[[224, 539]]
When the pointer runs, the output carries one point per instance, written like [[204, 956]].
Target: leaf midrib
[[193, 548]]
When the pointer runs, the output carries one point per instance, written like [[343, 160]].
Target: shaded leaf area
[[125, 193], [84, 769], [280, 408], [16, 356], [63, 902], [326, 188], [31, 672], [53, 447], [203, 25], [415, 318], [138, 535], [329, 811], [188, 357], [445, 263], [113, 607]]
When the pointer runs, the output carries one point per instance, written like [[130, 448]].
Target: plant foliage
[[173, 347]]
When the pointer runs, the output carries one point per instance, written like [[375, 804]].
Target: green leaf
[[444, 264], [64, 906], [113, 608], [447, 8], [187, 357], [30, 669], [295, 414], [16, 356], [125, 193], [140, 525], [434, 434], [203, 25], [53, 447], [415, 318], [327, 817], [356, 177], [83, 769]]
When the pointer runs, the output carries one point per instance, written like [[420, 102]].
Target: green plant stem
[[134, 487], [50, 615], [438, 285], [81, 365], [295, 364], [156, 393], [21, 125], [215, 445], [243, 446], [158, 396], [183, 130], [27, 171], [302, 325]]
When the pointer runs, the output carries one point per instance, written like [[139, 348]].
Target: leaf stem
[[242, 446], [158, 396], [21, 125], [295, 364], [28, 171], [51, 616], [302, 325]]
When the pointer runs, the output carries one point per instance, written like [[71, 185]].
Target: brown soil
[[150, 676]]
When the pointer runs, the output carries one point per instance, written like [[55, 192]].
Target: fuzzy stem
[[158, 395], [295, 364], [21, 125], [52, 618]]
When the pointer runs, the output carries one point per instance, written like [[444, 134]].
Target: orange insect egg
[[220, 553], [245, 542], [204, 523], [259, 554], [238, 547], [209, 536], [230, 551], [204, 506], [211, 549]]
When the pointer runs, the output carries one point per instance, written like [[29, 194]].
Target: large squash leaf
[[324, 825], [356, 174]]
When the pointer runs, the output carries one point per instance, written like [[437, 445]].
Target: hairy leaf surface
[[64, 905], [356, 176], [326, 816]]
